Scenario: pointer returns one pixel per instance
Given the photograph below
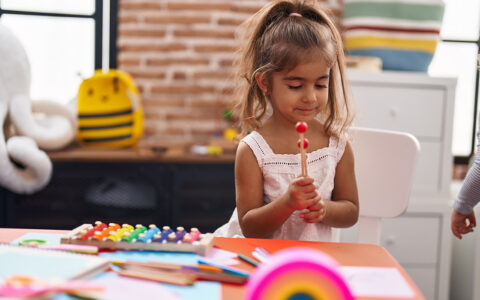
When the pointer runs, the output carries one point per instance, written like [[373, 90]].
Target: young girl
[[292, 62]]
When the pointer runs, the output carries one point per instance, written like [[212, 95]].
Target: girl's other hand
[[315, 213], [301, 193]]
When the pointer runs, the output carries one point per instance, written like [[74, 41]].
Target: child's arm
[[256, 219], [342, 211]]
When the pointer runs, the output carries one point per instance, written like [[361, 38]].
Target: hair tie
[[294, 14]]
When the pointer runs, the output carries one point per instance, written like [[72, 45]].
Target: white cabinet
[[423, 106]]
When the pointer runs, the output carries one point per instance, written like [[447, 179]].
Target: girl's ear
[[262, 82]]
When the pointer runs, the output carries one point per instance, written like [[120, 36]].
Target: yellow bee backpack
[[109, 110]]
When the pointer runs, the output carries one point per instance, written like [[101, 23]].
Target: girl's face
[[301, 93]]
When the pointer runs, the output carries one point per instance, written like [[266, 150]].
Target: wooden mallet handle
[[301, 128]]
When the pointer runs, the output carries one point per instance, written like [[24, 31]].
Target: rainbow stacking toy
[[298, 273]]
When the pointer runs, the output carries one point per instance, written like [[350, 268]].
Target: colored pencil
[[258, 256], [182, 276], [262, 252], [224, 268], [165, 266], [248, 260]]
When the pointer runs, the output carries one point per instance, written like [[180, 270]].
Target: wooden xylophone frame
[[201, 246]]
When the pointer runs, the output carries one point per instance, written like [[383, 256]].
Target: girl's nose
[[310, 95]]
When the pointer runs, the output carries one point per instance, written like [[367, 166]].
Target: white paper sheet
[[221, 257], [376, 282]]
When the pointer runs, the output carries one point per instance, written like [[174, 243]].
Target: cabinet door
[[411, 240], [428, 171], [425, 279], [418, 111]]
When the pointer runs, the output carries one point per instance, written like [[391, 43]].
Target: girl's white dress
[[278, 171]]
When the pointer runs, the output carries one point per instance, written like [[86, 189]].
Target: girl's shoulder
[[257, 144], [338, 145]]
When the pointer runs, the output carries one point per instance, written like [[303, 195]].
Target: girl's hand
[[301, 193], [316, 213]]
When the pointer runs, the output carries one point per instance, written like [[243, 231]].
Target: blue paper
[[46, 264], [49, 238], [184, 258], [199, 291]]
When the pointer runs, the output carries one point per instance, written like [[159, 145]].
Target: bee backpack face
[[109, 110]]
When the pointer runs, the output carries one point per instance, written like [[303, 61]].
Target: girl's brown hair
[[276, 38]]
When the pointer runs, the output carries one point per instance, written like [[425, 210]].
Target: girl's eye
[[294, 87], [321, 86]]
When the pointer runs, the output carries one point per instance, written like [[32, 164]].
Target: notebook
[[48, 264]]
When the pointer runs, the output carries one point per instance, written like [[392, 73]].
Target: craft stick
[[158, 275], [70, 248], [301, 128], [166, 266], [218, 276], [178, 276], [247, 259]]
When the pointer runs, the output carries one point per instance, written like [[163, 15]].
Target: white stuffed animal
[[32, 168]]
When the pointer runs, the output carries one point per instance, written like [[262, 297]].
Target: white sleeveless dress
[[278, 171]]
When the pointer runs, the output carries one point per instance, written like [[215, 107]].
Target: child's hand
[[316, 212], [301, 193], [462, 224]]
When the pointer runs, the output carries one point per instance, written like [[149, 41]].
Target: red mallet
[[305, 143], [301, 128]]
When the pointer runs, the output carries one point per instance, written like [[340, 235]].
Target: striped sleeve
[[469, 194]]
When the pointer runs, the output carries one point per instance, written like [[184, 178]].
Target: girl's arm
[[343, 210], [259, 220]]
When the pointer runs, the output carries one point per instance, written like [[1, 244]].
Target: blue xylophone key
[[171, 237], [157, 238], [161, 237], [148, 235]]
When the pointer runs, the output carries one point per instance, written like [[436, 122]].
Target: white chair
[[384, 167]]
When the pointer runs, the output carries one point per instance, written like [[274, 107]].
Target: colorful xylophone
[[140, 237]]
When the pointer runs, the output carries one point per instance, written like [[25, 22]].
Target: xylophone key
[[179, 234], [157, 238], [112, 227], [149, 234], [84, 232], [187, 238], [194, 234], [99, 226], [119, 234], [163, 235], [171, 237], [133, 235]]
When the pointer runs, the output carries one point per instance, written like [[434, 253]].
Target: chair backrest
[[384, 166]]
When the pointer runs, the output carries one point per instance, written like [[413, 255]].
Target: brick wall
[[180, 54]]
